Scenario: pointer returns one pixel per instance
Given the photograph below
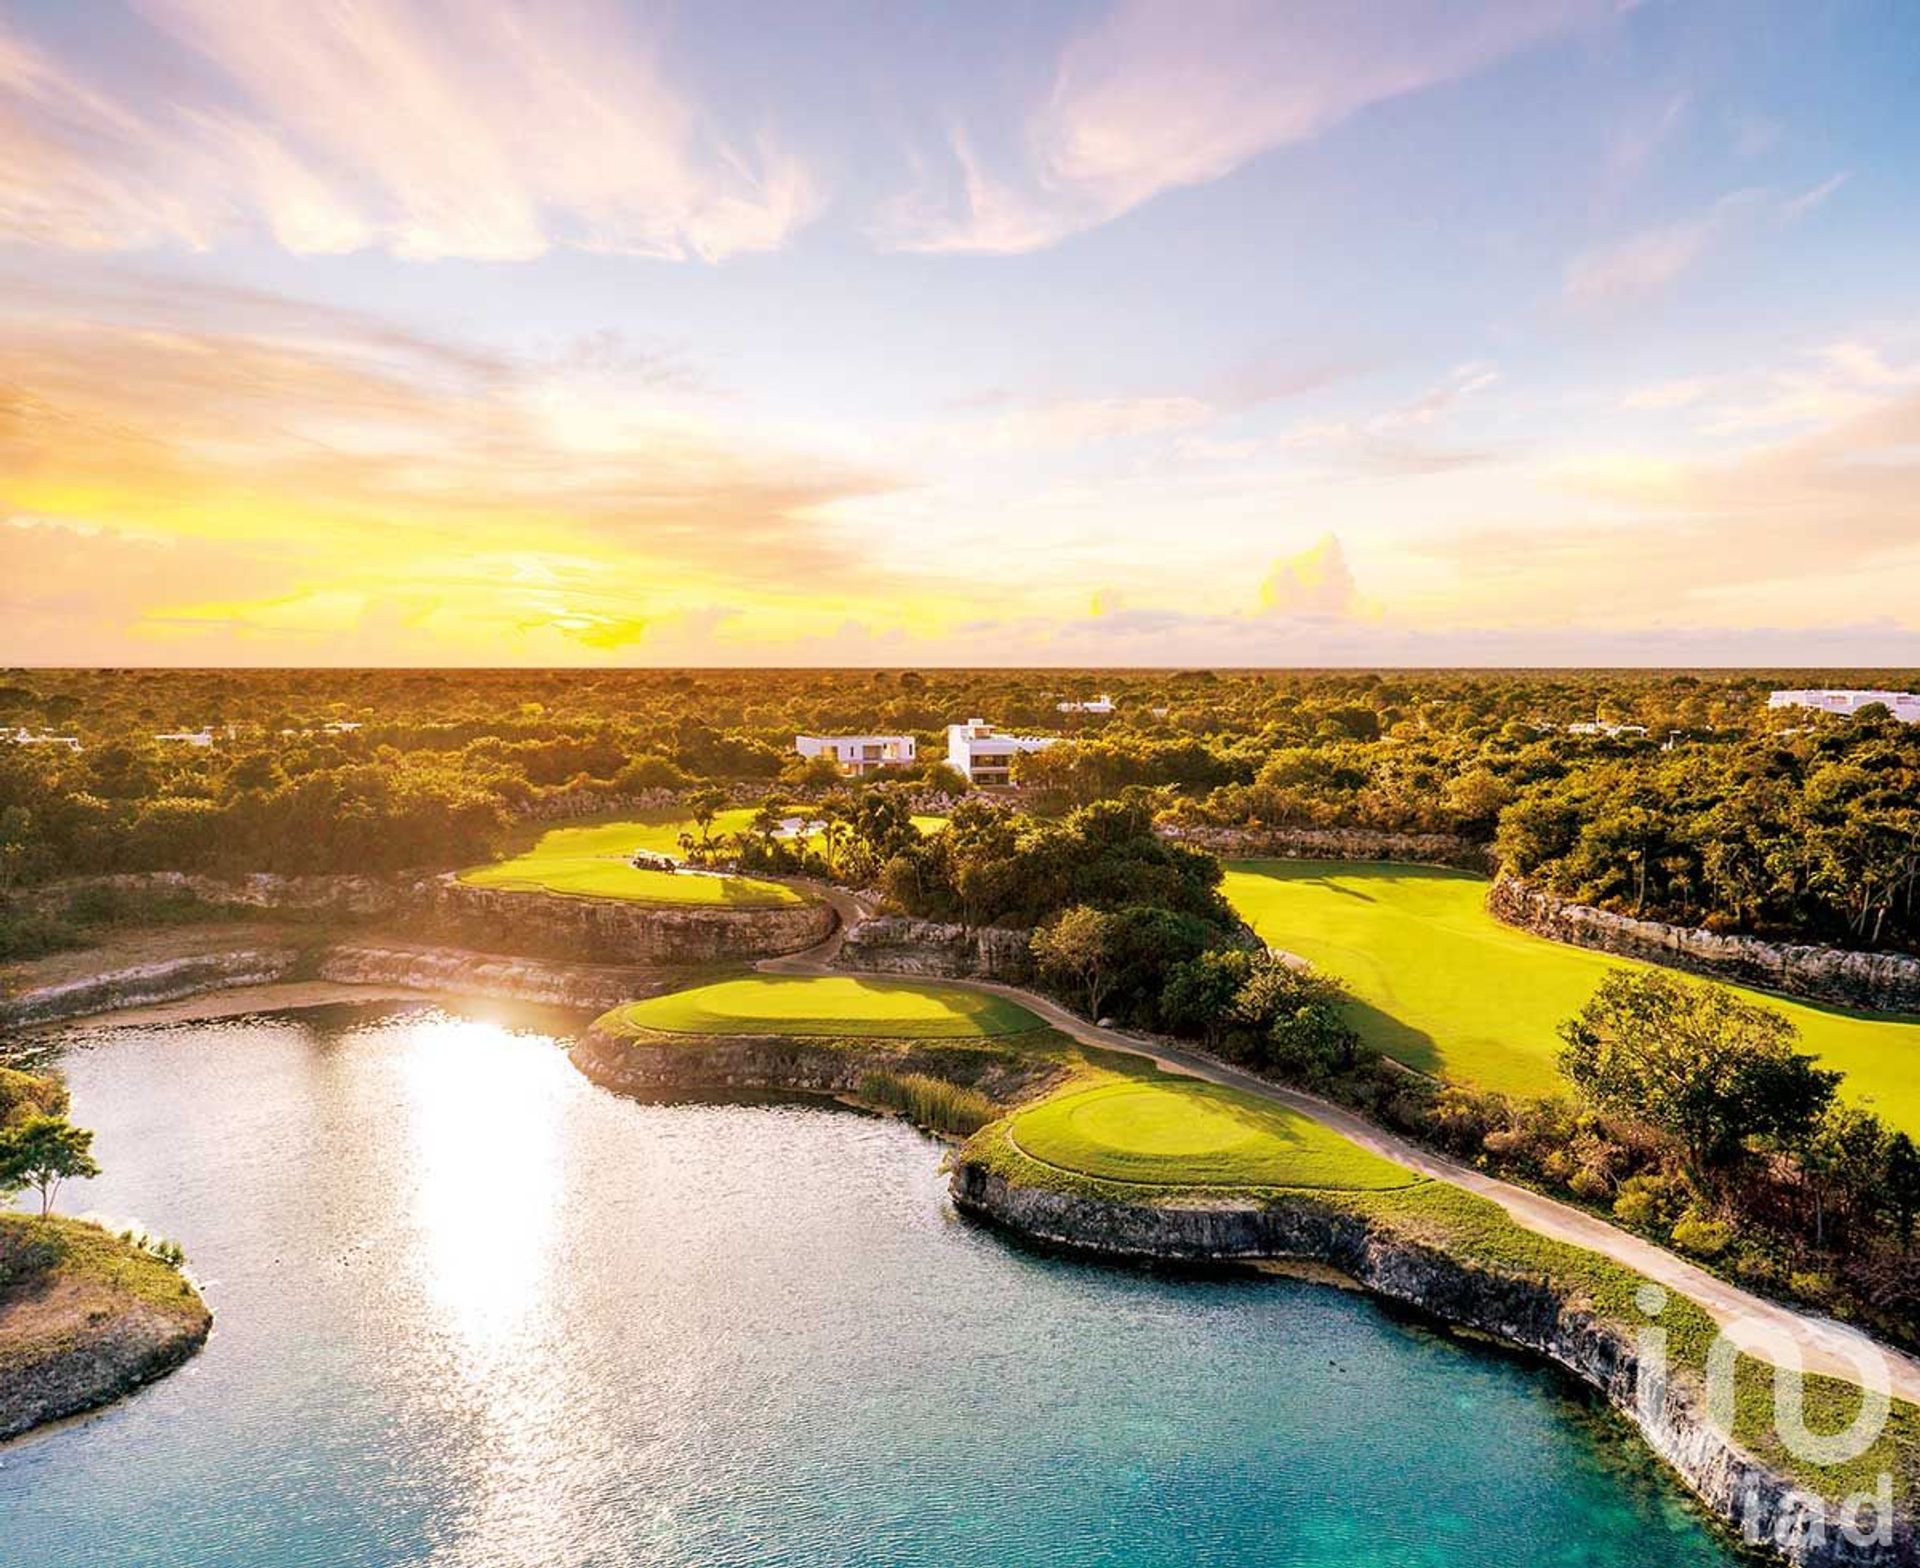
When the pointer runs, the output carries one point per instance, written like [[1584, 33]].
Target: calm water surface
[[474, 1311]]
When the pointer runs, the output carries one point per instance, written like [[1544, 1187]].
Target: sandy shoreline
[[241, 1000]]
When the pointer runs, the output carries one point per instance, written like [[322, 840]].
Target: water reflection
[[475, 1313]]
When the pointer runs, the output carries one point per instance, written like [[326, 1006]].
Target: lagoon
[[475, 1312]]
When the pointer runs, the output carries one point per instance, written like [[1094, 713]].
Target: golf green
[[1442, 986], [1195, 1134], [826, 1006], [593, 862]]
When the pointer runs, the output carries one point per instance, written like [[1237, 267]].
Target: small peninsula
[[86, 1316]]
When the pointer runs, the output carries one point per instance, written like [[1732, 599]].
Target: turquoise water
[[475, 1312]]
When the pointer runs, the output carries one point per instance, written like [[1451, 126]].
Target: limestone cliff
[[1878, 982], [1528, 1313]]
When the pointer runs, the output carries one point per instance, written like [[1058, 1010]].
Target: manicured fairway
[[1195, 1134], [1443, 986], [830, 1005], [591, 862]]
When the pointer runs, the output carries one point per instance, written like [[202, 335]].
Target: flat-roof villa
[[1903, 705], [858, 754], [26, 737], [1101, 704], [984, 754], [1611, 731]]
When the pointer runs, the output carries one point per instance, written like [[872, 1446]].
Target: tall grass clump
[[933, 1103]]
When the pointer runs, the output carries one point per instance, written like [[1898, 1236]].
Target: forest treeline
[[1708, 808]]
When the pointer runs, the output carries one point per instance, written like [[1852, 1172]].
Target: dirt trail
[[1824, 1345]]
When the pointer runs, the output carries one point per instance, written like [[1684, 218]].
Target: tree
[[42, 1152], [1845, 1158], [30, 1094], [1695, 1061], [16, 843], [1288, 1017], [1197, 998], [883, 822], [1903, 1184], [703, 805], [1077, 949]]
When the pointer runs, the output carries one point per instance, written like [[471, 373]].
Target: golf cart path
[[1825, 1345]]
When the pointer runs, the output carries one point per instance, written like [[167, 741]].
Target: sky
[[1206, 332]]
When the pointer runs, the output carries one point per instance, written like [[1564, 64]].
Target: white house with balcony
[[858, 754], [1903, 705], [985, 754]]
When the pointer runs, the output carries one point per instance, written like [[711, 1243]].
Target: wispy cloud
[[1160, 94], [1654, 259], [489, 128], [290, 472], [1398, 441]]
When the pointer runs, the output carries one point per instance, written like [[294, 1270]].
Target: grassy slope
[[592, 862], [827, 1007], [112, 1273], [1444, 987], [1195, 1134]]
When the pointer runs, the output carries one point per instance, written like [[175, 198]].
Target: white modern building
[[858, 754], [984, 754], [1101, 704], [25, 737], [1903, 705], [1611, 731]]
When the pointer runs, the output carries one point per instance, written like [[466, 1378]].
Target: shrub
[[930, 1102], [32, 934], [1590, 1183], [1651, 1202], [1702, 1236], [1810, 1284]]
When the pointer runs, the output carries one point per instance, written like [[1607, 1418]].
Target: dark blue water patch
[[473, 1311]]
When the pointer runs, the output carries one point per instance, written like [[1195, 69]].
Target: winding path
[[1825, 1345]]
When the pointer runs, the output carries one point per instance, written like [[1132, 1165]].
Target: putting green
[[592, 862], [1442, 986], [827, 1006], [1195, 1134]]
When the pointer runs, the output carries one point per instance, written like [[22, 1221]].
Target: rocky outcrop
[[114, 1355], [1878, 982], [650, 1066], [1740, 1489], [615, 931], [85, 1318], [326, 895], [551, 925], [444, 969], [142, 985], [1240, 843], [899, 945]]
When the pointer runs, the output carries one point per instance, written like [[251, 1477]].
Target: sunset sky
[[1289, 331]]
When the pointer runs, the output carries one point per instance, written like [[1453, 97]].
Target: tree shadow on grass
[[1395, 1037]]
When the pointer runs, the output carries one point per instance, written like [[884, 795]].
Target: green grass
[[934, 1103], [832, 1007], [1194, 1134], [1441, 985], [591, 862], [114, 1273]]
